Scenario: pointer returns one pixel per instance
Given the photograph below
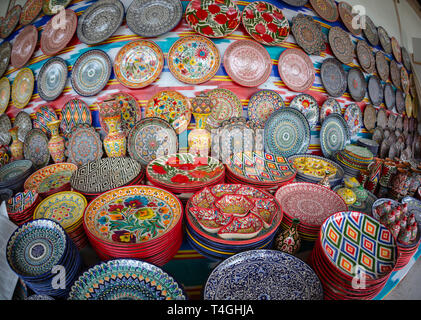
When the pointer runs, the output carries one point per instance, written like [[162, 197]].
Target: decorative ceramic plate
[[143, 213], [405, 80], [370, 117], [311, 203], [262, 104], [334, 77], [265, 23], [408, 106], [296, 3], [347, 17], [126, 279], [378, 135], [23, 88], [43, 116], [357, 84], [399, 124], [341, 45], [4, 94], [5, 52], [139, 63], [213, 19], [287, 133], [52, 79], [382, 118], [171, 106], [152, 18], [329, 106], [391, 123], [84, 145], [327, 9], [265, 275], [396, 49], [382, 66], [10, 21], [389, 96], [5, 126], [100, 21], [375, 90], [50, 177], [308, 34], [395, 74], [308, 106], [74, 112], [24, 46], [235, 135], [226, 105], [35, 148], [366, 57], [370, 32], [406, 59], [24, 123], [385, 40], [296, 70], [151, 138], [400, 102], [354, 118], [52, 7], [54, 39], [334, 135], [247, 63], [194, 59], [30, 11]]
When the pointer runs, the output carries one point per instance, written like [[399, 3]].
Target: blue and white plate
[[334, 135]]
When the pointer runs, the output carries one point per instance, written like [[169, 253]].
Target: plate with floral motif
[[354, 119], [262, 104], [30, 11], [296, 70], [225, 105], [24, 123], [138, 63], [266, 23], [10, 21], [35, 148], [334, 78], [308, 34], [341, 44], [366, 57], [84, 145], [23, 88], [327, 9], [213, 19], [329, 107], [357, 85], [194, 59], [308, 106], [4, 94]]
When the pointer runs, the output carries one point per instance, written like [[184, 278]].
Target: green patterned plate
[[334, 135]]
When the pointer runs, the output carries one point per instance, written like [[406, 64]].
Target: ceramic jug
[[16, 148], [115, 143], [289, 241], [56, 145]]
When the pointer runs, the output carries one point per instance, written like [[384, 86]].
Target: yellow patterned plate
[[4, 94], [50, 177], [66, 208], [23, 88]]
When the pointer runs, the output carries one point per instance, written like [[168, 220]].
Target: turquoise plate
[[334, 135]]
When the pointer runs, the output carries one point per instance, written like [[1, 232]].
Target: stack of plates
[[261, 170], [354, 159], [185, 172], [139, 222], [126, 279], [35, 250], [229, 218], [65, 208], [20, 208], [311, 204], [14, 174], [371, 145], [364, 207], [354, 256], [313, 169]]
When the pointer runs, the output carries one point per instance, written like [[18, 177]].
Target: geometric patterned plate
[[366, 57], [225, 105], [341, 45], [375, 90], [353, 116], [347, 17], [357, 85], [35, 148], [84, 145], [370, 32], [262, 104], [308, 34], [308, 106], [327, 9], [24, 123], [334, 78], [382, 66], [74, 112], [389, 96], [43, 116], [52, 79], [334, 135]]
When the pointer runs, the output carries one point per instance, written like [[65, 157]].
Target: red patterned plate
[[9, 23], [24, 46], [30, 11], [296, 70], [247, 63]]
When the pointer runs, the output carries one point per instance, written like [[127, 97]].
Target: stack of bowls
[[20, 208], [354, 256], [14, 174], [35, 250]]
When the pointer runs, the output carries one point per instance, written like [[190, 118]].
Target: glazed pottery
[[327, 9], [115, 143], [308, 34], [289, 241], [16, 148], [56, 143]]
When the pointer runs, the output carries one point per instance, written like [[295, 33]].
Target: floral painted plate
[[30, 11], [213, 19], [24, 123], [43, 116], [52, 7], [5, 126], [262, 104], [265, 23], [357, 85], [308, 106], [247, 63], [296, 70], [330, 106], [4, 94], [74, 112], [334, 135], [194, 59], [226, 105], [171, 106], [347, 17], [366, 57], [152, 18], [5, 51], [341, 45], [389, 96], [84, 145], [23, 88], [308, 34], [24, 46], [91, 72], [10, 22], [139, 63], [287, 133], [385, 40], [382, 66], [35, 148], [334, 77], [375, 90], [52, 79], [151, 138], [354, 118], [327, 9]]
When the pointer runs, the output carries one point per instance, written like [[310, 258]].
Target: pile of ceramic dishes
[[140, 222], [313, 169], [33, 252], [261, 170], [126, 279], [97, 177], [371, 145], [14, 174], [65, 208], [21, 206], [311, 204], [185, 172], [229, 218], [263, 275], [360, 206], [354, 159], [354, 256]]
